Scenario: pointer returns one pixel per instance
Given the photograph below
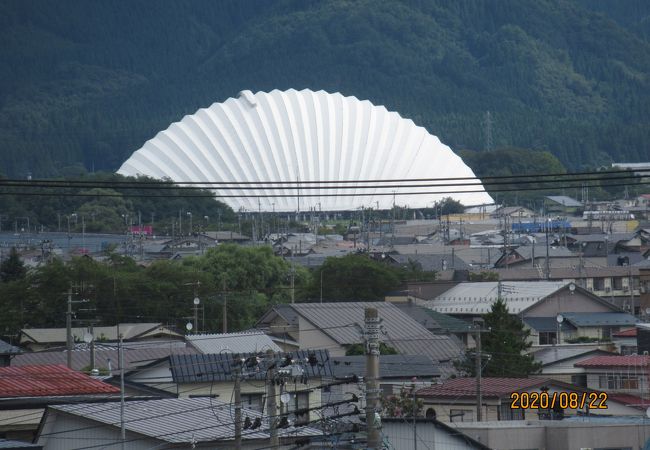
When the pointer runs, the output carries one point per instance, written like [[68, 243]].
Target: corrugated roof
[[16, 445], [477, 298], [176, 420], [128, 330], [390, 366], [343, 322], [564, 200], [490, 387], [40, 381], [221, 367], [133, 357], [592, 319], [616, 361], [252, 341], [431, 262]]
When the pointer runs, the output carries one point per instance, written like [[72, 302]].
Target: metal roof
[[433, 320], [490, 387], [593, 319], [128, 331], [177, 420], [616, 361], [104, 357], [221, 367], [477, 298], [252, 341], [7, 444], [343, 322], [551, 355], [564, 200], [390, 366], [431, 262], [40, 381], [545, 324]]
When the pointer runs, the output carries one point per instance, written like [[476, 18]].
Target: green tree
[[359, 349], [12, 268], [352, 278], [504, 346]]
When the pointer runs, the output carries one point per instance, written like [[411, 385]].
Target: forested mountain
[[88, 82]]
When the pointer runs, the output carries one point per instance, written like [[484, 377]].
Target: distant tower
[[488, 132]]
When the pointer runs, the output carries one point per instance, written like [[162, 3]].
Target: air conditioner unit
[[642, 289]]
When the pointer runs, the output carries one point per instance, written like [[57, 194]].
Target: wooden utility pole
[[372, 376], [273, 412]]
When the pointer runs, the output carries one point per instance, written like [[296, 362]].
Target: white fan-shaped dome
[[302, 136]]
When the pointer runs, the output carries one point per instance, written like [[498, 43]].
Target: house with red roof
[[618, 374], [455, 400], [26, 391]]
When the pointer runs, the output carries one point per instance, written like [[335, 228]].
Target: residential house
[[626, 341], [428, 262], [525, 299], [199, 423], [455, 400], [558, 362], [534, 257], [618, 374], [26, 391], [561, 204], [578, 326], [337, 326], [37, 339], [213, 375]]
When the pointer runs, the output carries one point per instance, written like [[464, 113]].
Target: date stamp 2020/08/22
[[563, 400]]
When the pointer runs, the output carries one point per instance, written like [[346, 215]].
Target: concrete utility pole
[[68, 326], [479, 395], [273, 412], [238, 425], [372, 375], [121, 357]]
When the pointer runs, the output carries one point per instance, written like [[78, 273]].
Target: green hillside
[[88, 82]]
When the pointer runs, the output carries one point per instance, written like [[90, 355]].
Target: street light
[[190, 214]]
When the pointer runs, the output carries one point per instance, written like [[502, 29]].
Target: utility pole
[[121, 357], [273, 413], [372, 374], [479, 369], [225, 308], [68, 326], [238, 425]]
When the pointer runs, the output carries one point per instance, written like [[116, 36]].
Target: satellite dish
[[196, 300], [286, 398], [572, 287], [647, 310], [189, 326], [647, 412], [88, 338], [559, 318]]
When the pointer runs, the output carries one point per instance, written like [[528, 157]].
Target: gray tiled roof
[[16, 445], [220, 367], [390, 366], [343, 322], [178, 420], [128, 330], [251, 341]]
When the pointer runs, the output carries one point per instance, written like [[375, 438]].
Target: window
[[547, 337], [579, 380], [252, 401], [507, 413], [431, 413], [461, 415], [620, 382]]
